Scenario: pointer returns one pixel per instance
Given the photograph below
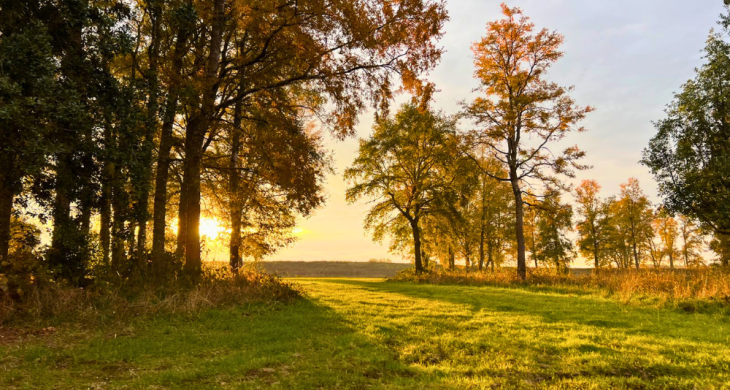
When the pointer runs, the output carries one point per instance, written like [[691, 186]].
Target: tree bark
[[194, 140], [452, 262], [481, 248], [519, 225], [62, 223], [182, 218], [119, 210], [233, 190], [105, 210], [143, 190], [8, 187], [417, 245], [162, 172]]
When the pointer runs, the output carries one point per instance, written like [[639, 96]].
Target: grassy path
[[366, 334]]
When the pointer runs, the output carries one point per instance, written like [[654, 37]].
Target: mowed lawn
[[370, 334]]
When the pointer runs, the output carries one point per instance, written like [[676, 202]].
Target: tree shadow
[[305, 345], [556, 307], [535, 339]]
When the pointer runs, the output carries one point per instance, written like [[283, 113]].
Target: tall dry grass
[[48, 301], [678, 286]]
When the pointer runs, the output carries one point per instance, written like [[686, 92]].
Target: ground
[[371, 334]]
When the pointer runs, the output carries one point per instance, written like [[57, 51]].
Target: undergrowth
[[700, 289], [47, 301]]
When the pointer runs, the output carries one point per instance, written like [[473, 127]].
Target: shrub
[[47, 300]]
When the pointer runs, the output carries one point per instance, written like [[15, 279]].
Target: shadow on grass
[[305, 345], [509, 338], [554, 307]]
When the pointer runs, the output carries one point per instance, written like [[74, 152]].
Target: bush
[[47, 300]]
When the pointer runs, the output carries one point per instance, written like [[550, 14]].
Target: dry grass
[[686, 288], [103, 301]]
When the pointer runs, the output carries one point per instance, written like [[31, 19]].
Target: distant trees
[[556, 220], [690, 154], [633, 216], [522, 113], [594, 227]]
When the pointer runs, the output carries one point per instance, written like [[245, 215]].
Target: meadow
[[373, 334]]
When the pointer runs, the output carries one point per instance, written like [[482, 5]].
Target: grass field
[[326, 269], [370, 334]]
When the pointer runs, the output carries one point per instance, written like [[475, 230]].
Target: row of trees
[[436, 200], [118, 118], [425, 167], [495, 193]]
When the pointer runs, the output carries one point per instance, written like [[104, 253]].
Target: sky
[[625, 58]]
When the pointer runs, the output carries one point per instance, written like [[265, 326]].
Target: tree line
[[496, 193], [122, 122]]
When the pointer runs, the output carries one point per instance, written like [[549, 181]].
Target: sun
[[210, 227]]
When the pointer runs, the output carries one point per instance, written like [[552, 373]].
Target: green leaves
[[690, 154]]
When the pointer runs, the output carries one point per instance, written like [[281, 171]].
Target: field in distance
[[342, 269]]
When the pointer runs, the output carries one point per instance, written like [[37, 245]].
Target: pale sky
[[626, 58]]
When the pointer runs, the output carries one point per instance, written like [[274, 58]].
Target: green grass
[[369, 334], [343, 269]]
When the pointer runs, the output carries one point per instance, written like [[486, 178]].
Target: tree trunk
[[452, 262], [7, 193], [671, 260], [159, 220], [105, 212], [194, 140], [417, 245], [490, 257], [595, 251], [519, 226], [191, 188], [636, 255], [182, 218], [481, 249], [143, 187], [119, 209], [62, 222], [233, 191]]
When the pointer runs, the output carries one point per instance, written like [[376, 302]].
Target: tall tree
[[522, 113], [405, 167], [690, 154], [27, 85]]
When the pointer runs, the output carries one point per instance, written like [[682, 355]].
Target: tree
[[593, 228], [405, 167], [632, 218], [690, 154], [27, 73], [521, 106], [693, 238], [666, 228], [555, 221]]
